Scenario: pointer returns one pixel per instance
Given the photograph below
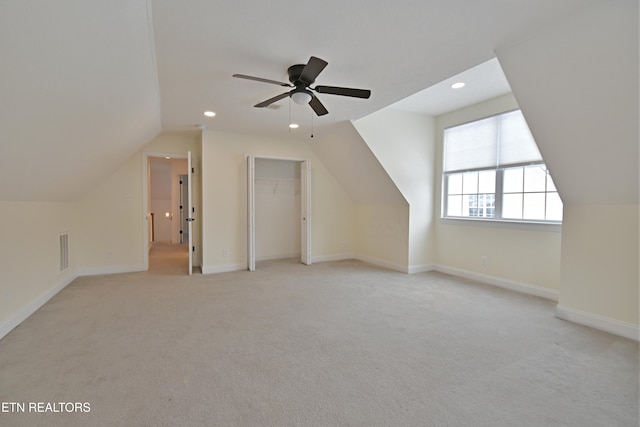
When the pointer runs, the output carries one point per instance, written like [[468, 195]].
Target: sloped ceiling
[[348, 157], [393, 48], [577, 85], [86, 83], [78, 94]]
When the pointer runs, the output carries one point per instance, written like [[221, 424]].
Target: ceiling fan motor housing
[[295, 71], [301, 77]]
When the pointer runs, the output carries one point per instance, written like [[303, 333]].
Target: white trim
[[524, 288], [606, 324], [288, 159], [329, 258], [110, 269], [33, 306], [224, 268], [163, 154], [555, 227], [383, 263], [146, 247], [278, 256], [421, 268]]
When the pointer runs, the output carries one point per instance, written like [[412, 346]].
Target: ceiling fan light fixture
[[301, 97], [301, 77]]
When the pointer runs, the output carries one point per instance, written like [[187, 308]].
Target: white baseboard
[[606, 324], [33, 306], [277, 256], [329, 258], [383, 263], [422, 268], [226, 268], [110, 269], [525, 288]]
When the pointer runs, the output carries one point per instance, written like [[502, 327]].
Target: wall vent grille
[[64, 251]]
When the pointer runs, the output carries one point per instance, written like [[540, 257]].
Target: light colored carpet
[[333, 344], [169, 259]]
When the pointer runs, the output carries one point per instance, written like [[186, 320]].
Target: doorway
[[279, 221], [167, 210]]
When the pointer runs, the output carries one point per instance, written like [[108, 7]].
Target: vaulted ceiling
[[84, 84]]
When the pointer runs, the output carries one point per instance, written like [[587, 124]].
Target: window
[[493, 170], [529, 194]]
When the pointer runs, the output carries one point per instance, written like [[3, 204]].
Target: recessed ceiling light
[[294, 126], [168, 158], [457, 85], [209, 113]]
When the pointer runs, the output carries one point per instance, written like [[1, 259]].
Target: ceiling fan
[[301, 77]]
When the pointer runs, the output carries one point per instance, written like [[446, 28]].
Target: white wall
[[106, 230], [404, 145], [224, 189], [29, 257], [382, 212], [577, 84], [111, 219], [348, 158], [600, 262], [110, 222], [383, 235], [523, 258]]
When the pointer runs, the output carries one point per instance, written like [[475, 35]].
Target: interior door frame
[[190, 209], [145, 199], [305, 211], [251, 211]]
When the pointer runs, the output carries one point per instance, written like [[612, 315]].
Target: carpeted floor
[[168, 259], [333, 344]]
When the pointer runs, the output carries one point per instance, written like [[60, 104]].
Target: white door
[[190, 211], [251, 210], [305, 212]]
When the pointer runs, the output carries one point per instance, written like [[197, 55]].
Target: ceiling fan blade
[[344, 91], [312, 69], [260, 79], [317, 106], [272, 100]]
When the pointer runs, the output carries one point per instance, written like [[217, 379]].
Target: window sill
[[517, 225]]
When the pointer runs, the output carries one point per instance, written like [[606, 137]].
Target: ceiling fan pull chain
[[289, 115], [301, 77]]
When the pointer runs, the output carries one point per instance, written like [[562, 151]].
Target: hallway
[[169, 259]]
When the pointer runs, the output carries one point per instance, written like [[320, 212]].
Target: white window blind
[[495, 142]]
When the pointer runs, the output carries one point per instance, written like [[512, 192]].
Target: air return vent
[[64, 251]]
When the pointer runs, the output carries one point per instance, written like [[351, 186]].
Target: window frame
[[497, 220]]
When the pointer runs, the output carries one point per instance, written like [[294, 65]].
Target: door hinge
[[193, 170], [193, 249]]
